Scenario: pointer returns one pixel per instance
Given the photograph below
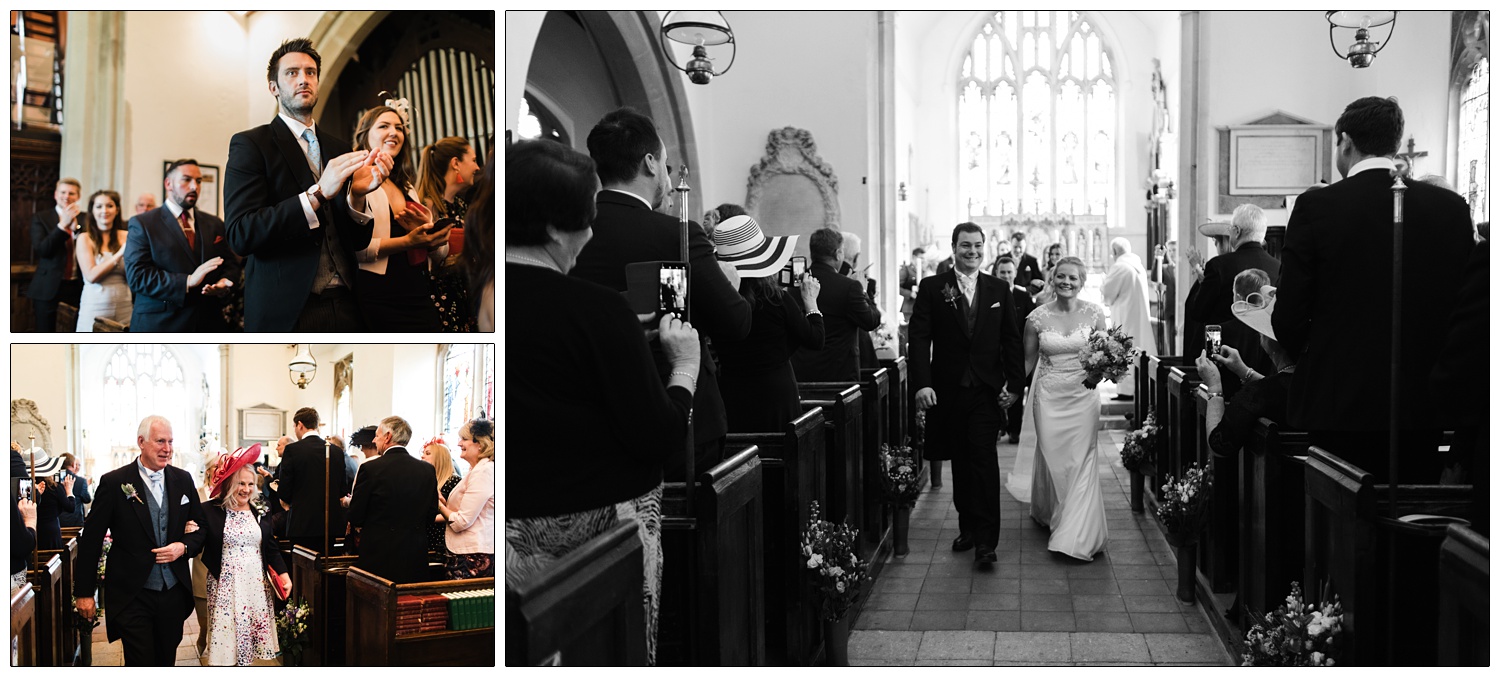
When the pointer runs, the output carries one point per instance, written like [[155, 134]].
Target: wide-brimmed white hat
[[45, 464], [1216, 229], [754, 254], [1258, 317]]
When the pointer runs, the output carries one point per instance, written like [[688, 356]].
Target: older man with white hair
[[1129, 302], [1240, 243]]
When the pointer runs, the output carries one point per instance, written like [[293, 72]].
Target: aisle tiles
[[1033, 607]]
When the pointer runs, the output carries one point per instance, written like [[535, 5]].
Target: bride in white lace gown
[[1056, 468]]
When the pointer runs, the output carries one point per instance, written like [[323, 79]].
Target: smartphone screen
[[785, 277], [23, 489], [1212, 338], [799, 266], [672, 297]]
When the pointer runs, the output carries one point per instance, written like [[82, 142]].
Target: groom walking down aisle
[[967, 367]]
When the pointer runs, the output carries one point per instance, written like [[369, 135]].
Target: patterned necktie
[[187, 229], [314, 154], [156, 489]]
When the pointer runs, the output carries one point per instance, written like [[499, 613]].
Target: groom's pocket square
[[997, 305], [183, 501]]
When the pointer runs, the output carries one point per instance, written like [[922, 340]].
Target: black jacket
[[1209, 302], [846, 312], [265, 224], [1333, 306], [625, 231], [213, 541], [52, 248], [81, 496], [394, 501], [301, 486], [129, 522]]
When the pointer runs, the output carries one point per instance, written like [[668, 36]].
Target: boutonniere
[[950, 294], [130, 493]]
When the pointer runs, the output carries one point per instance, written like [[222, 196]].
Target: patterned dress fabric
[[436, 533], [534, 544], [242, 627]]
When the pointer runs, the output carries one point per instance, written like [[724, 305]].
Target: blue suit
[[158, 262]]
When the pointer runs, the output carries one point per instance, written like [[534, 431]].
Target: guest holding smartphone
[[392, 287], [446, 179]]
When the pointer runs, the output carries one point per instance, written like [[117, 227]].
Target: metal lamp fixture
[[701, 29], [1363, 51], [303, 368]]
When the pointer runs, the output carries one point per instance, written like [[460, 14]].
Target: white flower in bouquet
[[836, 571], [814, 561]]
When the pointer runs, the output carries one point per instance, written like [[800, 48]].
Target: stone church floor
[[1033, 607]]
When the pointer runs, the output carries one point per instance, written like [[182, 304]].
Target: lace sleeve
[[1034, 318]]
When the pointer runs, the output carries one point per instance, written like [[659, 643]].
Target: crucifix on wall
[[1405, 162]]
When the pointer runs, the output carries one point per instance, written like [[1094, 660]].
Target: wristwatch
[[316, 192]]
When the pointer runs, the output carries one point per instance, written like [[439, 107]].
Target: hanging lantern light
[[303, 368], [700, 29], [1363, 51]]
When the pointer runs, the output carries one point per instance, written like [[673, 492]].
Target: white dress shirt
[[966, 284], [1384, 163], [307, 210], [644, 201], [176, 210]]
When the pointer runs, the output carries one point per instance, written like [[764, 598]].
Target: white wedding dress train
[[1056, 468]]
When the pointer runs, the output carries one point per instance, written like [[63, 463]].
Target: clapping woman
[[100, 255], [237, 548]]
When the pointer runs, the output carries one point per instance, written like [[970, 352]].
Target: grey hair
[[144, 430], [1251, 221], [398, 427], [1120, 246]]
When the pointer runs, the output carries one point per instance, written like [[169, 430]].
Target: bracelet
[[690, 377], [814, 312], [1246, 378]]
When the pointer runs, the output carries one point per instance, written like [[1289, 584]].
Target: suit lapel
[[291, 151], [138, 504], [173, 230], [981, 302]]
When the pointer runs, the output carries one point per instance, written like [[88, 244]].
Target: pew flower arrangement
[[900, 475], [1296, 634], [839, 574], [1139, 444], [1183, 508], [1107, 355], [291, 630]]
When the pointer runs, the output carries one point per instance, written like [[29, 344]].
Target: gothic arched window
[[1036, 116], [1474, 140], [141, 380], [468, 389]]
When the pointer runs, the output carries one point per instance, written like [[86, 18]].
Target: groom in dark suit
[[633, 170], [177, 262], [145, 506], [295, 200], [967, 367], [1333, 303]]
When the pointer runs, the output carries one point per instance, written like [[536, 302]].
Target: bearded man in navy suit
[[177, 262]]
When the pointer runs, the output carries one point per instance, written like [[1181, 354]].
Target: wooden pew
[[51, 601], [1272, 468], [1464, 609], [1181, 414], [23, 626], [371, 639], [586, 609], [1219, 549], [1348, 541], [843, 412], [896, 414], [693, 628], [876, 529], [1156, 394], [321, 581], [64, 629], [792, 468]]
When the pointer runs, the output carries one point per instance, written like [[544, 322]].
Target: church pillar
[[883, 223], [1192, 193], [93, 130], [521, 30]]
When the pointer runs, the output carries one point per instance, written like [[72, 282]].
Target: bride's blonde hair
[[1083, 270]]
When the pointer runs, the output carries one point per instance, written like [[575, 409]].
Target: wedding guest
[[394, 501], [305, 487], [436, 453], [71, 466], [1261, 395], [177, 262], [145, 202], [200, 572], [478, 256], [755, 373], [22, 540], [298, 220], [713, 217], [100, 254], [54, 499], [470, 510], [446, 177], [1028, 273], [150, 586], [56, 279], [565, 370], [395, 294], [1240, 244], [847, 311], [240, 551]]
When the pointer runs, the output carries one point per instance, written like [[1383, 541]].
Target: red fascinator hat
[[230, 465]]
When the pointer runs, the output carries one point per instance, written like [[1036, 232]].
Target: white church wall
[[1260, 62], [810, 70], [183, 89], [937, 42], [264, 32], [41, 373], [258, 374]]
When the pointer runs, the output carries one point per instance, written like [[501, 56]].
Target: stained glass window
[[1474, 141], [468, 388], [1036, 113]]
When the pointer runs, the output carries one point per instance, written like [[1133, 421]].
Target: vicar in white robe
[[1126, 294]]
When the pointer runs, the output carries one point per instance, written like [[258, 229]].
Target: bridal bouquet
[[1107, 355], [838, 573], [1296, 634], [899, 476], [1139, 444], [1183, 507]]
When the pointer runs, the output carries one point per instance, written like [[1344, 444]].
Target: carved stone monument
[[792, 191]]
